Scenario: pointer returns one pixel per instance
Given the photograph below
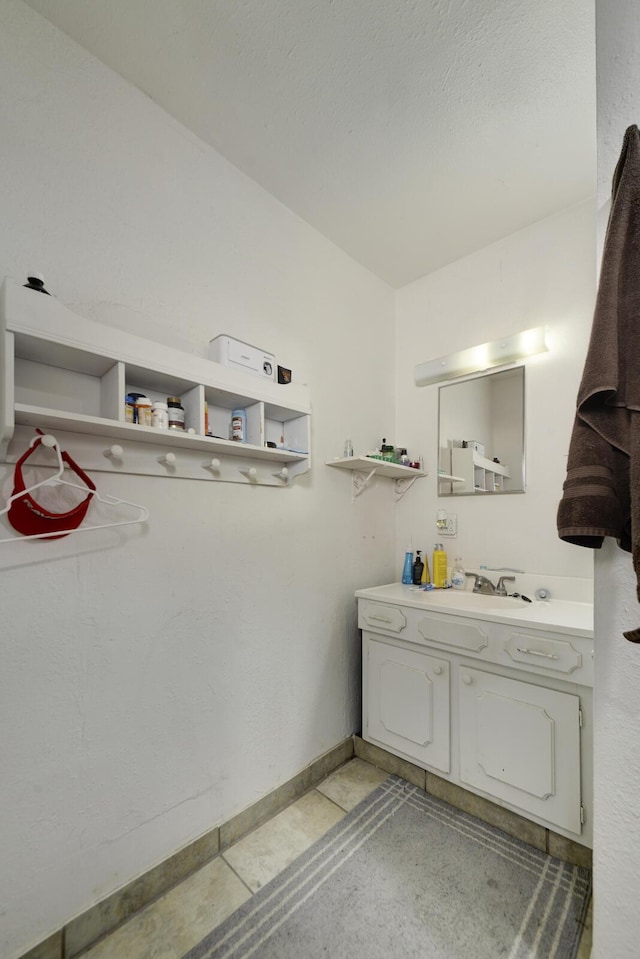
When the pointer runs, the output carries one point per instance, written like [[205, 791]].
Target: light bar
[[484, 357]]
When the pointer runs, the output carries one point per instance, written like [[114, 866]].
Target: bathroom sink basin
[[465, 599]]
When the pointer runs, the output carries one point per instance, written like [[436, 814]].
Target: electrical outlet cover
[[451, 528]]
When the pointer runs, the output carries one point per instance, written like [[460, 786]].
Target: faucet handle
[[501, 589]]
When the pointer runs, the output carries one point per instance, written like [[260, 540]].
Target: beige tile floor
[[181, 918]]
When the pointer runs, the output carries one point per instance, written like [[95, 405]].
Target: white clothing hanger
[[50, 442]]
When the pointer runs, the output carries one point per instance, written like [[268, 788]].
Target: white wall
[[617, 672], [153, 685], [544, 275]]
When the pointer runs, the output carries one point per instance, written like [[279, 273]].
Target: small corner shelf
[[364, 468]]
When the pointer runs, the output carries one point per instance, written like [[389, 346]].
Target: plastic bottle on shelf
[[425, 579], [407, 569], [439, 566], [175, 410], [143, 411], [239, 426], [348, 448], [458, 577], [160, 416], [418, 567]]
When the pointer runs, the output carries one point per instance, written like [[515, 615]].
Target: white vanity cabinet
[[501, 709]]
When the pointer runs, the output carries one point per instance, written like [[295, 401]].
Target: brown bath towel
[[601, 494]]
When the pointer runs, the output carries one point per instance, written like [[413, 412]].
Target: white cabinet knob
[[437, 670], [466, 679]]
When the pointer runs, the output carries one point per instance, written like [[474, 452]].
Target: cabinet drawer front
[[378, 616], [467, 635], [558, 655]]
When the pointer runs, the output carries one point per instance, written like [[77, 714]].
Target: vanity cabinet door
[[406, 702], [521, 743]]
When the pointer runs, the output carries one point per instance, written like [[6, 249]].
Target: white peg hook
[[214, 464], [46, 440], [114, 452], [282, 474], [169, 459], [250, 472]]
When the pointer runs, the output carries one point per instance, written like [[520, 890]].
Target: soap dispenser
[[418, 567]]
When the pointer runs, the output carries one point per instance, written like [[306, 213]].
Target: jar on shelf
[[160, 416], [239, 426], [175, 410], [143, 411]]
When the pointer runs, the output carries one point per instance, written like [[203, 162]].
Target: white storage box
[[231, 352]]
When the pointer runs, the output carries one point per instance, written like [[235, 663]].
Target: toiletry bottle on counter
[[418, 567], [407, 569], [439, 566], [425, 579], [458, 574]]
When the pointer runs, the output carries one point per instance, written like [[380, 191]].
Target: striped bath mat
[[406, 875]]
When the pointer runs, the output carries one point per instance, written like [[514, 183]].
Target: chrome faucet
[[482, 584], [501, 589], [485, 586]]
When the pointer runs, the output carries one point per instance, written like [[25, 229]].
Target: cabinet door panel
[[521, 743], [408, 702]]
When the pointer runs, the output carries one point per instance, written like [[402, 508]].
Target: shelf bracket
[[360, 481], [403, 486]]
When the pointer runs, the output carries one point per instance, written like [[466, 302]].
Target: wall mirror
[[481, 435]]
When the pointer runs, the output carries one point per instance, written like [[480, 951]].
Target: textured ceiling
[[409, 132]]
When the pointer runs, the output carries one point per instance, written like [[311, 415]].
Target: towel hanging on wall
[[601, 492]]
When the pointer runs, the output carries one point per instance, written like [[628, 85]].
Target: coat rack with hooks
[[69, 376], [58, 478]]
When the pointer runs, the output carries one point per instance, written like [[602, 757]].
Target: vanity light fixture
[[510, 349]]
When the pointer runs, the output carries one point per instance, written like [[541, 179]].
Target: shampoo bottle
[[439, 566], [418, 567], [407, 569]]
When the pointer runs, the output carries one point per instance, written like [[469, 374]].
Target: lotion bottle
[[407, 569], [439, 566]]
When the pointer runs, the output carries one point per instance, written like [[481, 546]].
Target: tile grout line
[[235, 871]]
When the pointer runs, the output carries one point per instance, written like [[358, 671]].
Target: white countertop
[[559, 615]]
